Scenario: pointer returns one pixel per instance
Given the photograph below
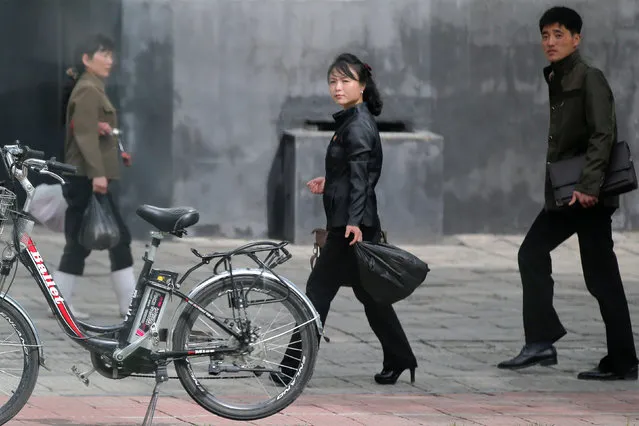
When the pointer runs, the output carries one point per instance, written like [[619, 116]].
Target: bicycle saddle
[[169, 219]]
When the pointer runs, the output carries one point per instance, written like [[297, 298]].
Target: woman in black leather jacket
[[353, 166]]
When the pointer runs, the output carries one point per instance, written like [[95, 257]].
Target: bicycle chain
[[151, 376]]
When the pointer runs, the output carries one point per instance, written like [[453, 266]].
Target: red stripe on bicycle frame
[[62, 308], [59, 302]]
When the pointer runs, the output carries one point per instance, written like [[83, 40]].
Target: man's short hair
[[563, 16]]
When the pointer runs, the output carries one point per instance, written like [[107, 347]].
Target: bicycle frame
[[30, 257], [33, 261]]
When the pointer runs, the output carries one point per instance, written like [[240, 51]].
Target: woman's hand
[[100, 185], [104, 128], [357, 234], [316, 185]]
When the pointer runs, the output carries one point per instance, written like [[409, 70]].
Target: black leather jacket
[[353, 166]]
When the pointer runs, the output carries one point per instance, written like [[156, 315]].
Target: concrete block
[[409, 192]]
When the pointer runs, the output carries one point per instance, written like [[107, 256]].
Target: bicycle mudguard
[[237, 273], [5, 298]]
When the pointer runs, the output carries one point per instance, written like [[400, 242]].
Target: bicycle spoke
[[211, 328], [10, 336], [262, 386], [278, 328], [257, 313], [281, 334], [9, 352], [273, 347], [274, 319], [2, 370]]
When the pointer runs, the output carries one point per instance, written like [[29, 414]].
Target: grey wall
[[217, 81], [146, 109]]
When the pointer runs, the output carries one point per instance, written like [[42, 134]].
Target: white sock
[[65, 283], [124, 285]]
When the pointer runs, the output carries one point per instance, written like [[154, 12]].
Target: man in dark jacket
[[582, 120]]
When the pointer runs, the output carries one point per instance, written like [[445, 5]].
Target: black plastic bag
[[388, 273], [99, 230]]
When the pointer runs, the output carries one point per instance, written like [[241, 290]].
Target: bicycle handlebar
[[34, 159], [18, 159], [32, 153], [62, 167]]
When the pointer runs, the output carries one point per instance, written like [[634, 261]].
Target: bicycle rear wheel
[[284, 344], [19, 361]]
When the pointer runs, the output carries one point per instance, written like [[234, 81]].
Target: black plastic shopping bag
[[99, 229], [388, 273]]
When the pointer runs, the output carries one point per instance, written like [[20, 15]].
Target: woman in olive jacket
[[92, 148], [353, 165]]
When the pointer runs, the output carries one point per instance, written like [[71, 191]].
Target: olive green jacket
[[94, 155], [582, 121]]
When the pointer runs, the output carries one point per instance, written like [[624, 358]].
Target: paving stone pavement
[[462, 321]]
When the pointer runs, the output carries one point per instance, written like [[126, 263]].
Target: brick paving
[[461, 322], [519, 408]]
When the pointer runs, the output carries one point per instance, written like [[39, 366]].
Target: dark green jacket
[[582, 120]]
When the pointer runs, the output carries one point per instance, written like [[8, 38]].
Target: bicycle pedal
[[83, 377], [214, 369]]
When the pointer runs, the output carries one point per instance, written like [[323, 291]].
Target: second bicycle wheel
[[275, 368], [19, 361]]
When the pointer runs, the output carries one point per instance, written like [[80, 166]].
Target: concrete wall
[[409, 192], [239, 72], [147, 107]]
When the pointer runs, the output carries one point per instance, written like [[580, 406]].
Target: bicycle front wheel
[[19, 361], [266, 376]]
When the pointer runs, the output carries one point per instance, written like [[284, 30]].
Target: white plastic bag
[[49, 206]]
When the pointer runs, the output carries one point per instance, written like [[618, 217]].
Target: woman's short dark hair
[[91, 46], [346, 64], [561, 15]]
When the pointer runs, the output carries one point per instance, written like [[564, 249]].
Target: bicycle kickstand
[[161, 376]]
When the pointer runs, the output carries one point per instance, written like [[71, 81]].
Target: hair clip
[[368, 67], [71, 72]]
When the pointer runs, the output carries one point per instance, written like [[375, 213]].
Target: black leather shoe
[[390, 376], [531, 355], [598, 374]]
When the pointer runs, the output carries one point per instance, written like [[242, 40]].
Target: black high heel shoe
[[390, 376]]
